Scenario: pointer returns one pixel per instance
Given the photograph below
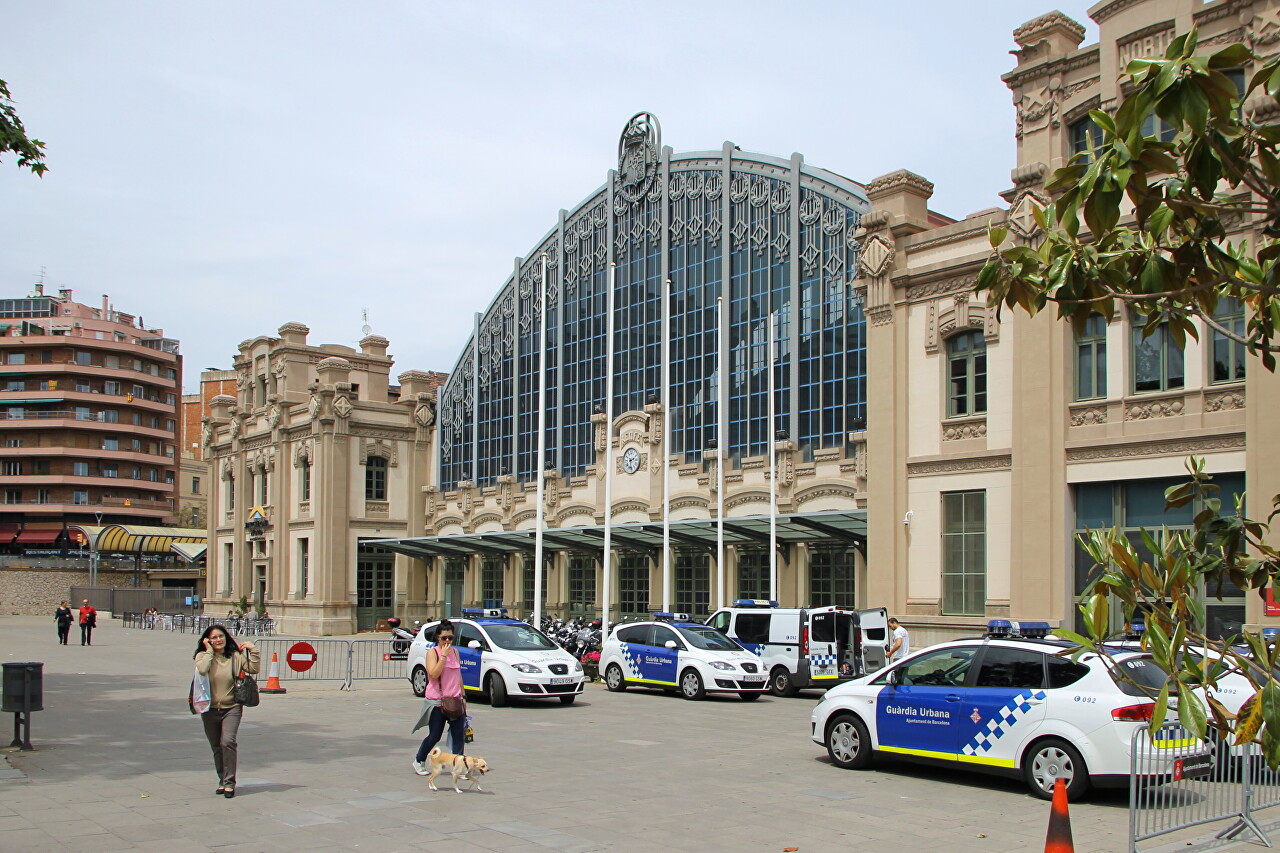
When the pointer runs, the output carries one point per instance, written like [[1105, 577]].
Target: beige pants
[[221, 725]]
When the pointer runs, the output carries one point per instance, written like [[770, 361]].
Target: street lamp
[[93, 553]]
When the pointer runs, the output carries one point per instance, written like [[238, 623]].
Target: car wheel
[[781, 683], [749, 697], [497, 690], [691, 685], [1050, 760], [568, 700], [419, 681], [613, 678], [848, 742]]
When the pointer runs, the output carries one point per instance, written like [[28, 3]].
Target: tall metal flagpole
[[722, 446], [608, 450], [666, 445], [773, 470], [540, 473]]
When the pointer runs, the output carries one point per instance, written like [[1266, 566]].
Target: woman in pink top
[[444, 678]]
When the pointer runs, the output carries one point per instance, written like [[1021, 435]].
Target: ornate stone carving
[[638, 149], [280, 368], [958, 431], [1034, 30], [1224, 401], [1039, 107], [425, 412], [377, 508], [302, 452], [920, 292], [955, 466], [381, 448], [814, 492], [644, 461], [1022, 216], [1154, 409], [875, 288], [342, 407], [1088, 415], [1264, 28], [466, 499], [226, 469], [1174, 447], [313, 408], [273, 417], [947, 317], [876, 255]]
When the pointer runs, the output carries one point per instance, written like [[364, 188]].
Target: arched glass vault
[[766, 234]]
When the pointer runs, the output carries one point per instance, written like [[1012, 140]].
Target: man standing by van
[[901, 645]]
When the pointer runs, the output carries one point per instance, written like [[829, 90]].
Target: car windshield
[[1139, 676], [519, 638], [709, 639]]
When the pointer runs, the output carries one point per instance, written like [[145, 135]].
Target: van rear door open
[[874, 629]]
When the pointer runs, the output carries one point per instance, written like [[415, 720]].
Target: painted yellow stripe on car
[[651, 681], [982, 759], [923, 753], [817, 677]]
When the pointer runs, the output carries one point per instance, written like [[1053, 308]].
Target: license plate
[[563, 680], [753, 678]]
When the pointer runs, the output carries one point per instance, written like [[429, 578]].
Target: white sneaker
[[420, 768]]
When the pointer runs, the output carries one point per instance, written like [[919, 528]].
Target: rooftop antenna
[[366, 328]]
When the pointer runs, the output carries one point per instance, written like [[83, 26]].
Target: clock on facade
[[631, 460]]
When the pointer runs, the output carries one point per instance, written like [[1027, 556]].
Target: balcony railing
[[117, 503]]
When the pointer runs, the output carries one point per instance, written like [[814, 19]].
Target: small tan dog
[[473, 766]]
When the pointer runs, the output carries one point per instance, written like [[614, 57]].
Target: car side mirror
[[892, 678], [671, 644], [474, 644]]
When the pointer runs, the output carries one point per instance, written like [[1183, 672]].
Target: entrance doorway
[[375, 581]]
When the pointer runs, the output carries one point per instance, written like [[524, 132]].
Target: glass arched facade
[[766, 234]]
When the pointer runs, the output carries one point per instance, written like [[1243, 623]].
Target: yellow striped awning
[[132, 539]]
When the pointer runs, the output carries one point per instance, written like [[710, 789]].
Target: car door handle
[[953, 698], [1034, 701]]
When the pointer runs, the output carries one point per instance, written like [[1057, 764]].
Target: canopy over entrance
[[132, 539], [847, 527]]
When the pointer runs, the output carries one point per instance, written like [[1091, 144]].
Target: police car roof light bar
[[671, 617], [1271, 634], [753, 602], [1032, 630], [999, 628]]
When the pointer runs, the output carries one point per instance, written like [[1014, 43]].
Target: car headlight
[[719, 664], [577, 666], [525, 667]]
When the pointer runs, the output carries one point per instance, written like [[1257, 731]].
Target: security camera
[[906, 519]]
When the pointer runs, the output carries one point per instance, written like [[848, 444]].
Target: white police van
[[501, 658], [808, 647], [1008, 703], [674, 652]]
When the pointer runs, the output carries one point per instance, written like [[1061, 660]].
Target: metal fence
[[1177, 781], [189, 623], [169, 599], [331, 660], [378, 658]]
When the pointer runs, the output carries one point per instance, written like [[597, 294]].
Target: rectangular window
[[17, 358], [83, 387], [195, 485], [753, 572], [109, 469], [831, 575], [304, 481], [1091, 359], [1086, 139], [633, 583], [375, 479], [1157, 360], [693, 581], [110, 416], [582, 583], [42, 496], [80, 497], [82, 413], [966, 374], [110, 444], [111, 361], [491, 587], [226, 566], [304, 566], [13, 442], [13, 496], [169, 425], [263, 488], [13, 469], [231, 494], [1228, 353], [964, 553], [46, 356], [80, 469], [15, 385], [83, 358]]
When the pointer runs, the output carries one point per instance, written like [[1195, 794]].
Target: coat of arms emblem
[[638, 156]]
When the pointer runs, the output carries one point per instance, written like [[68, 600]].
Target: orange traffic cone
[[1059, 838], [273, 677]]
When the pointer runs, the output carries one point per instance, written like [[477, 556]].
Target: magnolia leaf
[[1249, 720], [1191, 713], [1161, 708]]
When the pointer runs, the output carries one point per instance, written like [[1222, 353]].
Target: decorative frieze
[[1168, 408], [1172, 447], [1002, 462], [1088, 415], [960, 430], [1224, 401]]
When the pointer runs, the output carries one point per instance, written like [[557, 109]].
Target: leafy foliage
[[13, 136], [1162, 216]]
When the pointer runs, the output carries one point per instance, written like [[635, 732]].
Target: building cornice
[[1092, 451]]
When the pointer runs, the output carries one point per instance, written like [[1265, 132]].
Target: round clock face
[[631, 460]]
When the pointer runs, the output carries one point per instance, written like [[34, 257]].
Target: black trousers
[[64, 631], [86, 634]]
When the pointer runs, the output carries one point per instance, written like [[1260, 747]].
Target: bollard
[[273, 676], [1059, 837], [21, 693]]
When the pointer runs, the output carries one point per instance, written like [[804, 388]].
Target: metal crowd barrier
[[377, 658], [188, 623], [1177, 781], [333, 660]]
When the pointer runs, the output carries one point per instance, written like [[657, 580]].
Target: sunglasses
[[446, 637]]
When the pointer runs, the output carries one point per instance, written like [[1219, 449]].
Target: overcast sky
[[223, 168]]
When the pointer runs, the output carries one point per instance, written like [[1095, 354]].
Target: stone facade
[[36, 592]]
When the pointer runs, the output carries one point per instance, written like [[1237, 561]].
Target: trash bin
[[23, 688]]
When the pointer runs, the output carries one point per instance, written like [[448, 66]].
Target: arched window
[[1086, 138], [966, 374], [375, 479], [1091, 359]]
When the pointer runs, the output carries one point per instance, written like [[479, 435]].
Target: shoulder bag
[[244, 689]]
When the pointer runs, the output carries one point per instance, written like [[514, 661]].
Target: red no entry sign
[[301, 657]]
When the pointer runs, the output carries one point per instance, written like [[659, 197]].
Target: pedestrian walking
[[221, 659], [64, 618], [900, 647], [88, 619], [444, 681]]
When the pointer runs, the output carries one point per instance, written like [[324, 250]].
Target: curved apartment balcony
[[159, 460], [62, 419], [56, 369], [91, 481]]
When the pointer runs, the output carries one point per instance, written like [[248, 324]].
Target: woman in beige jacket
[[222, 659]]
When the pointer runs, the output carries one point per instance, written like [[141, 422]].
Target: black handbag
[[244, 689]]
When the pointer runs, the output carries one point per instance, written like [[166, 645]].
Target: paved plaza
[[122, 765]]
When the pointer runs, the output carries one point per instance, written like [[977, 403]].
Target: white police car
[[672, 652], [1006, 703], [501, 658]]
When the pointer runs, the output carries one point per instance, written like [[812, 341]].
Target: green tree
[[13, 136], [1161, 219]]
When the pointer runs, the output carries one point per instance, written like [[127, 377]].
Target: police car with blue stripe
[[672, 652], [1006, 703], [501, 658]]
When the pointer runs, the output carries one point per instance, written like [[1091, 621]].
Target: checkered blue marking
[[1000, 722], [631, 661]]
